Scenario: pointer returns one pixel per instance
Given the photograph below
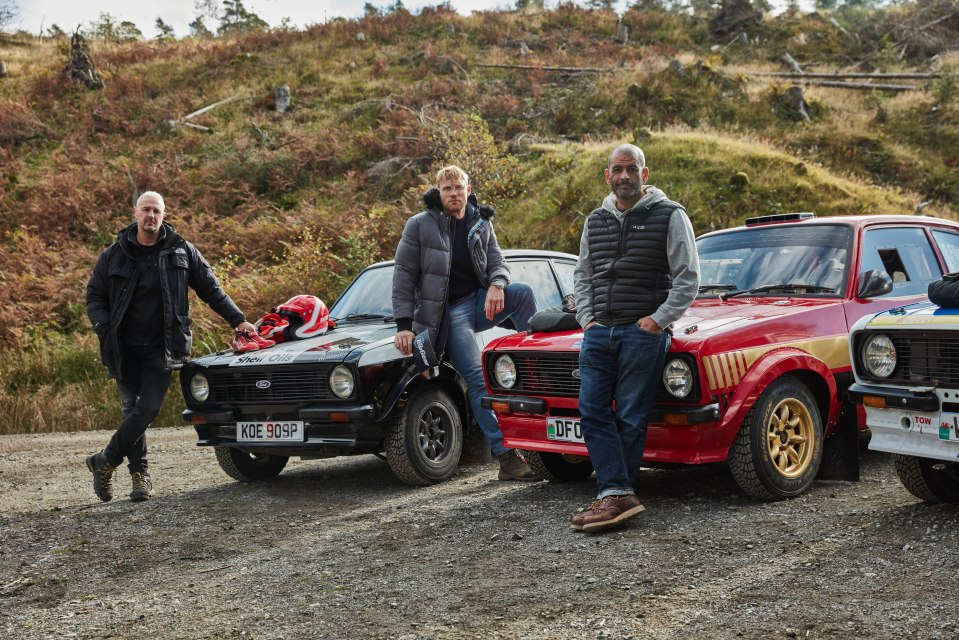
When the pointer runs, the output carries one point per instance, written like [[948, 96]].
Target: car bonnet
[[337, 345]]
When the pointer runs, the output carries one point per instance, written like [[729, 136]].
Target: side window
[[538, 275], [564, 271], [949, 246], [905, 254]]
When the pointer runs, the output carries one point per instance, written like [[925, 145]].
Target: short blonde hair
[[452, 172], [155, 196]]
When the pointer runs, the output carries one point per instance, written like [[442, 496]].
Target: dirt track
[[340, 549]]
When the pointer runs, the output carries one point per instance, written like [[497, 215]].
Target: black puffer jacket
[[423, 260], [181, 266]]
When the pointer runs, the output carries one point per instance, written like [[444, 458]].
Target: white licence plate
[[564, 430], [289, 431]]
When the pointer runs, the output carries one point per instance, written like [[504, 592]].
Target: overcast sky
[[68, 14]]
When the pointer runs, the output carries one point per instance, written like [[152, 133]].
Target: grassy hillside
[[283, 203]]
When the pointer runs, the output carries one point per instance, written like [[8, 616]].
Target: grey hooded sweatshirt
[[680, 250]]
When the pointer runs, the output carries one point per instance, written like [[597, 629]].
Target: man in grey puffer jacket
[[451, 280]]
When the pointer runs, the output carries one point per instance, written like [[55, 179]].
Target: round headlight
[[199, 387], [678, 378], [879, 355], [504, 372], [341, 381]]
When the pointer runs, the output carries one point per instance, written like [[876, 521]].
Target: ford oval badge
[[263, 384], [576, 373]]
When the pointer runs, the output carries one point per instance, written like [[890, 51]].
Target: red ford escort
[[759, 366]]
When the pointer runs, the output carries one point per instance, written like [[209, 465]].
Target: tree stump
[[622, 33], [282, 99], [80, 69], [795, 98]]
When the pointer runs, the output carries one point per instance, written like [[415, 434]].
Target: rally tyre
[[929, 480], [778, 449], [556, 467], [425, 441], [247, 467]]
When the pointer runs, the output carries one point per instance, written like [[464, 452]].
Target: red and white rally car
[[759, 366]]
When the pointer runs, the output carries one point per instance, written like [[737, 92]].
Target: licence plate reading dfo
[[563, 429], [291, 431]]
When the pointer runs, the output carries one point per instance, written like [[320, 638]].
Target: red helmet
[[307, 315]]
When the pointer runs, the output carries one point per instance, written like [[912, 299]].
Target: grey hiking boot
[[142, 486], [512, 467], [102, 476]]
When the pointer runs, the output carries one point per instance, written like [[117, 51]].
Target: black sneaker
[[142, 486], [102, 476]]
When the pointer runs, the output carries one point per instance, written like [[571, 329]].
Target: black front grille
[[544, 374], [928, 358], [288, 384]]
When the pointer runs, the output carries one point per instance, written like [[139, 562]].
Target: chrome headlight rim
[[342, 381], [504, 372], [199, 387], [878, 355], [678, 378]]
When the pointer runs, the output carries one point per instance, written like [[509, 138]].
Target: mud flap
[[840, 454]]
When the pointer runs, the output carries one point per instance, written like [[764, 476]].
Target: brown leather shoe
[[512, 467], [577, 522], [612, 511]]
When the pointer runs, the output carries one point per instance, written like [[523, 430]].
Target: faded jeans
[[467, 318]]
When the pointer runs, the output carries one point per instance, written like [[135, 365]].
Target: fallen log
[[827, 76], [530, 67], [862, 85]]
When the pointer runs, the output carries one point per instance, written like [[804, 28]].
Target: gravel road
[[339, 549]]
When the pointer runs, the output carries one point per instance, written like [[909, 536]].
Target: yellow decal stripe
[[726, 370]]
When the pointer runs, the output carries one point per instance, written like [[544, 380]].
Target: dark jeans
[[144, 382], [624, 364]]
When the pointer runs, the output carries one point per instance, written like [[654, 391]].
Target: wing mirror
[[874, 283]]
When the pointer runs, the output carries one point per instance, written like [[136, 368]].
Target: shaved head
[[628, 149]]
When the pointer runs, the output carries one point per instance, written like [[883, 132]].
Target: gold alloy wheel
[[790, 438]]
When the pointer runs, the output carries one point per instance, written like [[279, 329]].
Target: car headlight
[[342, 381], [879, 355], [504, 372], [678, 378], [199, 387]]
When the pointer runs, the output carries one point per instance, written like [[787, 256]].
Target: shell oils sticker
[[726, 370], [279, 354]]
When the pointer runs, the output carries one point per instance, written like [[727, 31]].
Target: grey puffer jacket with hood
[[110, 292], [424, 258]]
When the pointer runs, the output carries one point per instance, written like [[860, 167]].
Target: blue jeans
[[468, 317], [143, 385], [624, 364]]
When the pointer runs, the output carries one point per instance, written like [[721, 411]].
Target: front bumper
[[324, 427], [685, 435], [911, 422], [892, 397]]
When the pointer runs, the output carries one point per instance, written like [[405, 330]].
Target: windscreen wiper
[[365, 316], [725, 286], [809, 288]]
